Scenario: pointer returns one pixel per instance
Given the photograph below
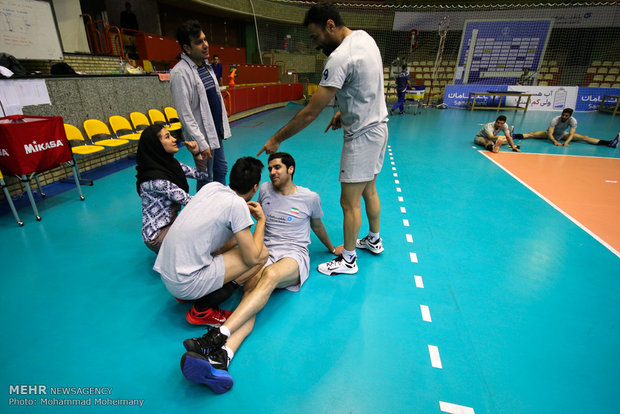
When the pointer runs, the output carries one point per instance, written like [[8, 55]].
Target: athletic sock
[[349, 256], [215, 299], [602, 142], [230, 353], [489, 147], [373, 237], [225, 331]]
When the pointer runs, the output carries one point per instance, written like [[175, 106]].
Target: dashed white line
[[398, 190], [405, 222], [401, 199], [403, 210], [435, 358], [395, 174], [611, 181], [426, 313], [393, 163], [393, 168], [396, 181], [409, 238], [418, 281], [413, 257], [450, 408]]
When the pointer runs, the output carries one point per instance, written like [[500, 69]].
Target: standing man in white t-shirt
[[290, 211], [562, 128], [354, 75]]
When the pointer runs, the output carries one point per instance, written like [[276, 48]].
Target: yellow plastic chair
[[139, 121], [100, 134], [122, 128], [79, 145], [158, 118], [173, 117]]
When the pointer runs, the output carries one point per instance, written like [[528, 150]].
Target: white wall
[[71, 26]]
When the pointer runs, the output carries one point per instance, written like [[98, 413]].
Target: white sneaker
[[376, 247], [337, 266]]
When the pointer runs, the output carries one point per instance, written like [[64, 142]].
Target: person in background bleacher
[[162, 185], [128, 18], [217, 68], [526, 77], [402, 82], [198, 100]]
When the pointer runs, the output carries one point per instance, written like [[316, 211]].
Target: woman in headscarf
[[162, 182]]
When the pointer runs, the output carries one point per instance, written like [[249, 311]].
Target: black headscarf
[[154, 163]]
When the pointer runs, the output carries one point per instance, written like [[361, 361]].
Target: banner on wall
[[600, 16], [546, 98], [589, 99], [456, 96]]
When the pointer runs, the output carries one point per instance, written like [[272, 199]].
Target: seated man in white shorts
[[197, 256], [562, 128], [291, 211], [489, 138]]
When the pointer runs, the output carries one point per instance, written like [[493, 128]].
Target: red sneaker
[[182, 300], [211, 317]]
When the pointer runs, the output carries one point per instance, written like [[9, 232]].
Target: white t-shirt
[[489, 130], [562, 128], [288, 216], [356, 69], [206, 223]]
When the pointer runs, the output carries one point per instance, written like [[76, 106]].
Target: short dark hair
[[286, 158], [216, 56], [320, 13], [567, 111], [405, 67], [190, 28], [501, 118], [245, 174]]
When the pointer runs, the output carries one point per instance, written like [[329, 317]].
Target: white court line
[[584, 228], [435, 359], [405, 222], [403, 210], [450, 408], [611, 181], [426, 313], [396, 181], [409, 238], [418, 281], [391, 158], [401, 199], [413, 257], [395, 174], [392, 163], [389, 146], [393, 168], [398, 190]]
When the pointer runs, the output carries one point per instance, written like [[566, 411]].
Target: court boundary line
[[558, 155], [568, 216]]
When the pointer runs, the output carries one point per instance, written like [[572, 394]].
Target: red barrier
[[244, 98], [32, 144]]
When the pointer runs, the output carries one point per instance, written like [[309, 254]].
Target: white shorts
[[362, 156], [201, 283], [302, 259]]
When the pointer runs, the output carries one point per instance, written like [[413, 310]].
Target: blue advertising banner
[[589, 99], [456, 96], [497, 51]]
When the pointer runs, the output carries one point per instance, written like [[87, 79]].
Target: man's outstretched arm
[[302, 119], [319, 229]]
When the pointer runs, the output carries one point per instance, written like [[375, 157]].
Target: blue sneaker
[[196, 368], [614, 142]]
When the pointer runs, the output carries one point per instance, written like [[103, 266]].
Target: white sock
[[373, 237], [225, 331], [230, 352], [349, 256]]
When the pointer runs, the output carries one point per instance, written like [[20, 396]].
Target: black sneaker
[[218, 358], [614, 142], [196, 368], [208, 342]]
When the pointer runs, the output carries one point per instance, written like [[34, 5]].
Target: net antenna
[[444, 25]]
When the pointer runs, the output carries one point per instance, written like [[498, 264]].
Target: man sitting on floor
[[291, 211], [562, 128], [197, 255], [488, 137]]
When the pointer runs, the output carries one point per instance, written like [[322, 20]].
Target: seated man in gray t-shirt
[[290, 211], [562, 128]]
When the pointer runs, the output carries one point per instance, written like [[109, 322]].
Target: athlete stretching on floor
[[290, 211], [562, 128]]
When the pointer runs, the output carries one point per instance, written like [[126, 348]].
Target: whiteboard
[[28, 31]]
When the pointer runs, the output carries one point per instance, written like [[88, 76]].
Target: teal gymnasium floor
[[524, 304]]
